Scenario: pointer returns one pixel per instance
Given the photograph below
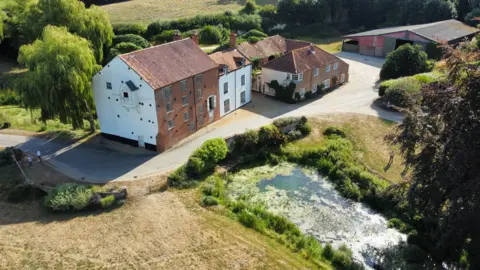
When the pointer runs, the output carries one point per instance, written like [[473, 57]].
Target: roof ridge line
[[156, 46]]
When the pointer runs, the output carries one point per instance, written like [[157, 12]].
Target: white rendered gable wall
[[269, 75], [125, 117]]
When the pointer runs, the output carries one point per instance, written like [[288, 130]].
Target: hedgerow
[[131, 38]]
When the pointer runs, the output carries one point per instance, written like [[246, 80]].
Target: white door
[[141, 142], [342, 78]]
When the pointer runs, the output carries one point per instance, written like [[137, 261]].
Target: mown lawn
[[147, 11], [22, 119]]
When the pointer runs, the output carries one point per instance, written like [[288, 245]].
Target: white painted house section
[[122, 112], [232, 98], [269, 75]]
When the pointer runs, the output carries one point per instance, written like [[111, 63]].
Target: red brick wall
[[167, 138], [309, 80]]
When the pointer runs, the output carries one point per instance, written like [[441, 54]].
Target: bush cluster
[[131, 38], [205, 158], [77, 197], [401, 92], [284, 93], [210, 35], [9, 97], [406, 60], [233, 22], [129, 28]]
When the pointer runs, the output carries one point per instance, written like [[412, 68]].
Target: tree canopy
[[406, 60], [440, 140], [92, 23], [58, 81]]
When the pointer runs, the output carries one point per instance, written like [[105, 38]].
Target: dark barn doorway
[[400, 42]]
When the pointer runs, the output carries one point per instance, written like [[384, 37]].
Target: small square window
[[199, 93], [186, 116], [184, 100], [243, 97], [167, 92], [225, 88], [315, 72], [289, 77], [125, 95], [170, 124], [183, 85], [242, 79], [294, 77], [226, 105], [335, 66], [327, 69], [169, 107], [109, 85]]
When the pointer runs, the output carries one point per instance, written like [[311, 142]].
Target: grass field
[[166, 230], [147, 11], [23, 119]]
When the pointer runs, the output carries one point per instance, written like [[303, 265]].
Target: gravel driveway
[[101, 166]]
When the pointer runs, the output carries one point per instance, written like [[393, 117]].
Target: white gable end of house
[[125, 103]]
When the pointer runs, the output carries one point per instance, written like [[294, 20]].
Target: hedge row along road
[[101, 165]]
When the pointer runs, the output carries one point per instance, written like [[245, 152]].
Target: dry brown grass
[[147, 11], [166, 230], [367, 133]]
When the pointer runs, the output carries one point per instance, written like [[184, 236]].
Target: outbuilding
[[380, 42]]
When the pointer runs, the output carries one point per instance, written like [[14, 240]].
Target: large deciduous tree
[[440, 140], [90, 23], [60, 67]]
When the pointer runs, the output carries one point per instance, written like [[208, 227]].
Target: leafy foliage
[[68, 197], [108, 201], [165, 36], [283, 92], [403, 92], [407, 60], [210, 35], [440, 142], [129, 28], [207, 156], [58, 81], [9, 97], [131, 38], [92, 23]]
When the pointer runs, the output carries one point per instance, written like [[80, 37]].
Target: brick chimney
[[176, 35], [195, 36], [233, 40]]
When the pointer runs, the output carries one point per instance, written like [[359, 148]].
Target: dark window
[[170, 124], [200, 108], [184, 100], [167, 92], [225, 88], [186, 116], [226, 105], [109, 85], [169, 107], [183, 85], [198, 78], [131, 86], [125, 94], [243, 97], [199, 93], [242, 79]]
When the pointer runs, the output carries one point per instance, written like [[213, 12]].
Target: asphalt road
[[103, 165]]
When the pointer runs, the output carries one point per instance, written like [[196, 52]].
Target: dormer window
[[225, 69]]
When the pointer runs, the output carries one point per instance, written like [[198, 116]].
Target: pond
[[311, 202]]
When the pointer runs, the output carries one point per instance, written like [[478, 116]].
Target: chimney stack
[[233, 40], [195, 36], [176, 35]]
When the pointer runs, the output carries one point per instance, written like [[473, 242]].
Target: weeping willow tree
[[60, 67], [90, 23]]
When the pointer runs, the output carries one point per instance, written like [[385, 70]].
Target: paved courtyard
[[102, 165]]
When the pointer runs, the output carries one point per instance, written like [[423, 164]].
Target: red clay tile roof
[[165, 64], [231, 58], [269, 46], [301, 60]]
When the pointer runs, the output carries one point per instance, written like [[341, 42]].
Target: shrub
[[286, 121], [247, 141], [342, 260], [250, 220], [308, 95], [180, 179], [304, 127], [296, 96], [384, 86], [351, 190], [131, 38], [210, 35], [165, 36], [328, 252], [9, 97], [209, 201], [403, 92], [269, 135], [329, 131], [207, 156], [68, 197], [126, 47], [254, 33], [249, 8], [398, 224], [129, 28], [406, 60], [107, 201], [283, 93]]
